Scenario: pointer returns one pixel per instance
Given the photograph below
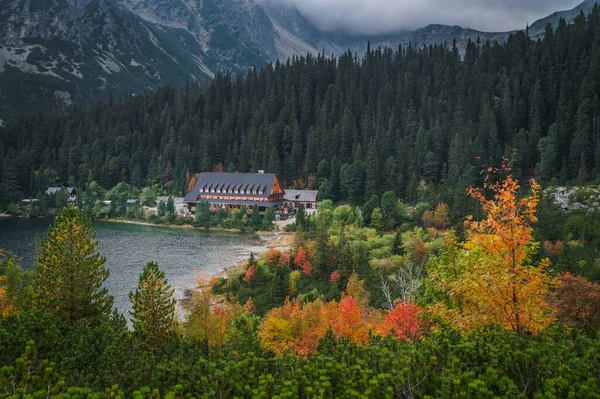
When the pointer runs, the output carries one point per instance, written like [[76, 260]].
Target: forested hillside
[[351, 127]]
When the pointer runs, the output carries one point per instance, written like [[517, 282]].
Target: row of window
[[213, 197], [219, 191], [234, 189], [258, 199]]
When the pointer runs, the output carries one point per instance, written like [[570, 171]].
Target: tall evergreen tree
[[153, 315], [71, 272]]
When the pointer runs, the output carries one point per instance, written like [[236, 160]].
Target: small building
[[236, 190], [70, 191], [131, 201], [308, 198]]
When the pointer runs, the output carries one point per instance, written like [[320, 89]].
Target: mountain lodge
[[236, 190]]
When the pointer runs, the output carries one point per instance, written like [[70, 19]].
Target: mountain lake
[[128, 247]]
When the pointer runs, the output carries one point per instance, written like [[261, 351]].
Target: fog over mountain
[[375, 17]]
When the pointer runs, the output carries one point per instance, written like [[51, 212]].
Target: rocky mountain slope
[[54, 53]]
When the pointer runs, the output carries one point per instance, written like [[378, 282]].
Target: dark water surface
[[128, 247]]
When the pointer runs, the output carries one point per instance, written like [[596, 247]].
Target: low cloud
[[373, 17]]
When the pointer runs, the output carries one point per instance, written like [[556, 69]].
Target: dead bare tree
[[406, 282]]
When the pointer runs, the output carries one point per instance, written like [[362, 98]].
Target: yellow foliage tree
[[356, 289], [5, 303], [492, 280], [276, 332], [208, 317]]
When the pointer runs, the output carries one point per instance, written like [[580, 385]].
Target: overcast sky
[[384, 16]]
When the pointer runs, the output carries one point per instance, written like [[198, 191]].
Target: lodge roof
[[255, 185], [54, 190], [301, 195]]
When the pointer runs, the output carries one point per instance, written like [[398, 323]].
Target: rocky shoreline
[[276, 240]]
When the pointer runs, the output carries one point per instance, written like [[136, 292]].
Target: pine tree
[[70, 271], [153, 315]]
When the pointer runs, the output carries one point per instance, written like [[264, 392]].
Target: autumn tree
[[349, 322], [71, 273], [498, 282], [302, 262], [249, 306], [153, 315], [276, 332], [250, 274], [578, 302], [218, 168], [16, 288], [192, 182], [356, 289], [208, 316], [403, 321], [439, 218], [6, 306]]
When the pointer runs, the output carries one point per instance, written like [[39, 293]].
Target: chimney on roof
[[261, 172]]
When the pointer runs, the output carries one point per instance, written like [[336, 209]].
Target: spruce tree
[[268, 219], [300, 216], [153, 315], [71, 273], [255, 219], [161, 209], [202, 215]]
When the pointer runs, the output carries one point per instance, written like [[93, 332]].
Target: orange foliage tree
[[192, 182], [302, 262], [273, 256], [497, 283], [249, 306], [348, 322], [403, 321], [250, 274]]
